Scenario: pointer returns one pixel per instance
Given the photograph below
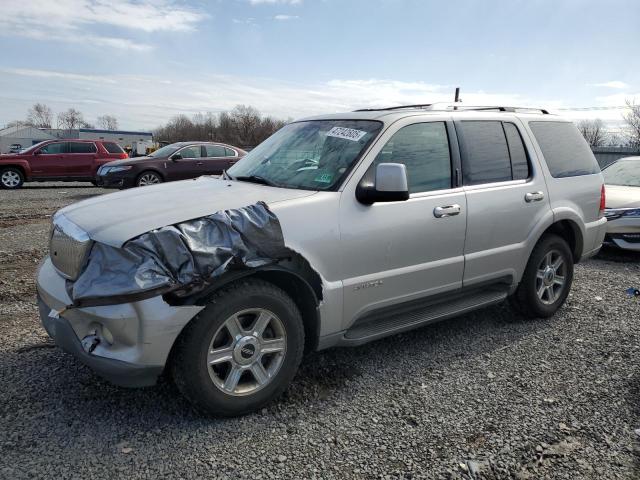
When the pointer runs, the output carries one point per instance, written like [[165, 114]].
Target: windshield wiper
[[226, 176], [256, 179]]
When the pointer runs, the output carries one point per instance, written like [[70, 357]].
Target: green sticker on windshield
[[324, 178]]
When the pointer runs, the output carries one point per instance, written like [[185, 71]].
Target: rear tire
[[547, 279], [11, 178], [148, 178], [241, 351]]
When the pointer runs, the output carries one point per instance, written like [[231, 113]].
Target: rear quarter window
[[565, 150], [112, 147]]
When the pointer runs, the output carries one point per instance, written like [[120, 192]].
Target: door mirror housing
[[389, 184], [176, 157]]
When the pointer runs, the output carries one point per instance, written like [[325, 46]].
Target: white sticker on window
[[346, 133]]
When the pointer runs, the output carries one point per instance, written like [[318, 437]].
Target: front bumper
[[115, 180], [128, 344]]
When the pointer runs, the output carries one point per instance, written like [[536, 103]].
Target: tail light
[[123, 155], [603, 201]]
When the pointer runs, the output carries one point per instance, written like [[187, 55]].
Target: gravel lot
[[488, 395]]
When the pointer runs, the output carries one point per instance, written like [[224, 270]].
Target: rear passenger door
[[216, 159], [80, 160], [506, 198]]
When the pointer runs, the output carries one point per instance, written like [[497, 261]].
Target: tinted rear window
[[215, 150], [565, 150], [78, 147], [486, 158], [112, 147]]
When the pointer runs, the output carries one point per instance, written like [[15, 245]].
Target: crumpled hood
[[618, 196], [117, 217]]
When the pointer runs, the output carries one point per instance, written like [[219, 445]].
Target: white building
[[23, 136]]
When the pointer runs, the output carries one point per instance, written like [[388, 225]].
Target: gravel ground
[[488, 395]]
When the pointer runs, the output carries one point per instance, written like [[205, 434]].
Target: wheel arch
[[23, 169], [571, 232], [294, 276], [153, 170]]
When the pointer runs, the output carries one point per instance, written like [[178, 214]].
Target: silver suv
[[336, 231]]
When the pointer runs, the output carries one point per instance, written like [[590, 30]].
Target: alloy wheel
[[246, 352], [551, 277], [148, 179], [10, 179]]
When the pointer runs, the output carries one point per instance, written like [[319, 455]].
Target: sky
[[147, 60]]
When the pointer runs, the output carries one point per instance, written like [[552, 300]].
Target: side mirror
[[389, 185], [176, 156]]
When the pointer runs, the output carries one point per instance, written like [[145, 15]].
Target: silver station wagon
[[336, 231]]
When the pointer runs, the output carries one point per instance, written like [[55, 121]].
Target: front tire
[[241, 351], [11, 178], [547, 279], [148, 178]]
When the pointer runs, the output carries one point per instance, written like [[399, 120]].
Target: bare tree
[[40, 116], [244, 126], [632, 118], [17, 123], [70, 120], [108, 122], [593, 132]]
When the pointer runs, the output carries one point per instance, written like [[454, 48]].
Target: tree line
[[41, 116], [244, 126], [597, 135]]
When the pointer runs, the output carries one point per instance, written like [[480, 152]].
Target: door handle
[[533, 197], [446, 211], [199, 163]]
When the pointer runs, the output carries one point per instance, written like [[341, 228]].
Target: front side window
[[311, 155], [564, 148], [81, 147], [54, 148], [486, 155], [424, 149], [214, 150], [191, 152], [623, 172]]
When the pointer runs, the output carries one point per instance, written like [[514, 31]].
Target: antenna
[[456, 97]]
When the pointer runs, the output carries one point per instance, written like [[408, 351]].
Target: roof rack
[[456, 106], [422, 105]]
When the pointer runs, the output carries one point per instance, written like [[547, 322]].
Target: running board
[[400, 319]]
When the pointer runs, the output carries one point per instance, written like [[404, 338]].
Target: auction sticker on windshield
[[346, 133]]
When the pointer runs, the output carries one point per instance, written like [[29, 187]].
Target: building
[[22, 135], [124, 138]]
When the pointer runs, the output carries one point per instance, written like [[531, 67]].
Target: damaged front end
[[181, 259], [122, 309]]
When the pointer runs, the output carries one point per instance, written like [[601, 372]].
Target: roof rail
[[422, 105], [456, 106]]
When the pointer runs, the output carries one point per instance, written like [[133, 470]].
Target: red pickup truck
[[60, 160]]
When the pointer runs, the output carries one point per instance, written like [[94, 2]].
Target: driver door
[[396, 252], [50, 160]]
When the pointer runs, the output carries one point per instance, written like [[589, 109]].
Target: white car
[[622, 179]]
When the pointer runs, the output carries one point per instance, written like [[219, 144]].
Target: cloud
[[274, 2], [144, 102], [613, 84], [284, 18], [71, 20]]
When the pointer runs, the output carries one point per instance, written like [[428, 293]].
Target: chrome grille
[[68, 247]]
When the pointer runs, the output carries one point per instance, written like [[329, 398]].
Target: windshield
[[623, 172], [312, 155], [165, 151]]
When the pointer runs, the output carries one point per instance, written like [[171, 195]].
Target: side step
[[407, 317]]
